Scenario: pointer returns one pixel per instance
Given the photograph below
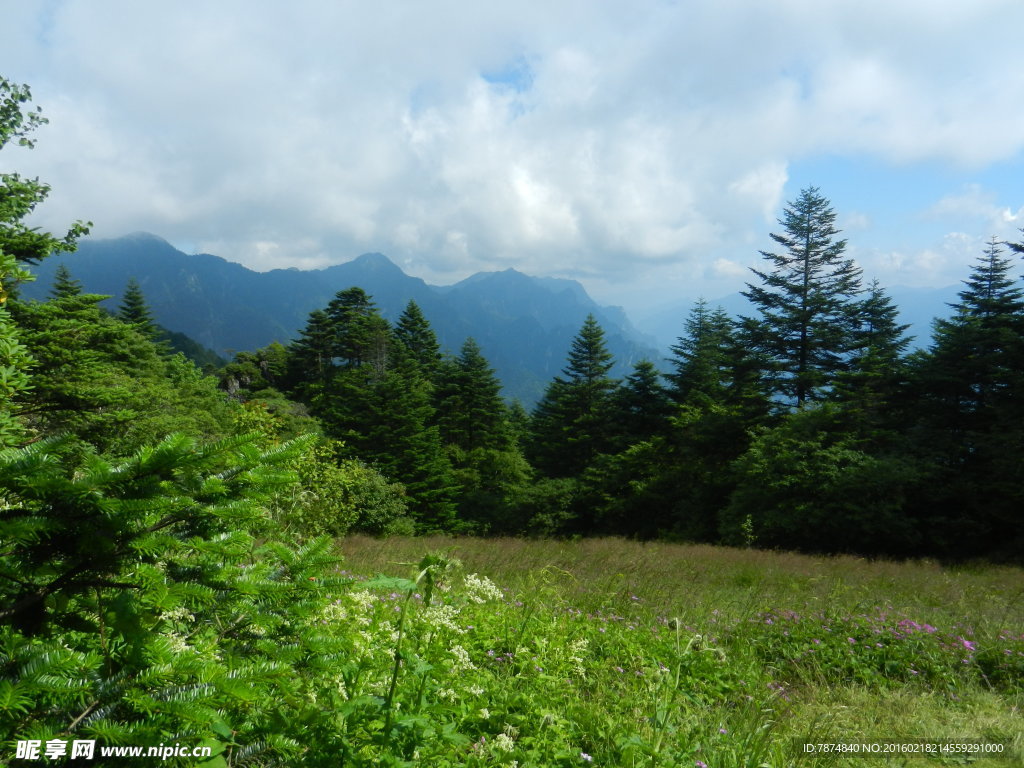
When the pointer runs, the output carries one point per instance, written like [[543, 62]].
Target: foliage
[[965, 394], [807, 302], [807, 485], [571, 424], [19, 197], [107, 383], [135, 311]]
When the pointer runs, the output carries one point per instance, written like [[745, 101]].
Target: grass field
[[616, 653]]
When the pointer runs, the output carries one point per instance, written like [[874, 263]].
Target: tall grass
[[604, 651]]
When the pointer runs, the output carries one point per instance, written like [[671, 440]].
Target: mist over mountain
[[918, 308], [524, 325]]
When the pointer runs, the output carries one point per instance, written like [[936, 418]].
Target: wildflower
[[485, 714], [462, 661], [701, 764], [585, 756], [723, 731], [480, 589], [851, 641], [503, 743]]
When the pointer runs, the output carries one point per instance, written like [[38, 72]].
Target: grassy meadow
[[614, 653]]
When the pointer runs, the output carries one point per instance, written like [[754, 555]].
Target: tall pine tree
[[970, 417], [571, 424], [414, 333], [807, 303]]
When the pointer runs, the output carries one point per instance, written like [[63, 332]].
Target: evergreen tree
[[870, 386], [474, 422], [20, 244], [310, 363], [24, 244], [700, 357], [640, 407], [106, 383], [64, 285], [386, 419], [370, 394], [970, 425], [135, 311], [414, 333], [471, 413], [807, 303], [571, 424], [359, 333]]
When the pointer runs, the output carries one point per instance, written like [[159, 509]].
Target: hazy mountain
[[524, 325], [918, 308]]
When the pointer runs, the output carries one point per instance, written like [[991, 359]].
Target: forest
[[168, 567]]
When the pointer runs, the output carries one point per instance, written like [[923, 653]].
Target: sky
[[646, 149]]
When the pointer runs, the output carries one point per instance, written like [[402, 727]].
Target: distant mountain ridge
[[918, 308], [524, 325]]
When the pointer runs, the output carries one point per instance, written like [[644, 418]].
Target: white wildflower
[[480, 589], [181, 613], [334, 613], [443, 617], [177, 643], [476, 690], [447, 694], [577, 649], [462, 661], [503, 743], [485, 714]]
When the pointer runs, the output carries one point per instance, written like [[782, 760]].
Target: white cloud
[[637, 137]]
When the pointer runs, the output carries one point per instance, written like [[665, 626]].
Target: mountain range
[[524, 325]]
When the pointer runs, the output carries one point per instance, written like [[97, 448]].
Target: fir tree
[[807, 303], [135, 311], [640, 407], [877, 368], [414, 333], [310, 363], [20, 244], [471, 413], [359, 333], [700, 357], [966, 393], [571, 424], [64, 285], [386, 419]]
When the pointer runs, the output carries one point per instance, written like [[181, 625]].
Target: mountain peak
[[375, 261]]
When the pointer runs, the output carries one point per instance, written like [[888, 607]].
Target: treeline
[[805, 426]]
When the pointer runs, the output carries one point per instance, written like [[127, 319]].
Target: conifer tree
[[877, 368], [64, 285], [135, 311], [359, 333], [970, 420], [640, 407], [471, 413], [310, 363], [700, 356], [414, 333], [571, 424], [807, 303], [20, 245]]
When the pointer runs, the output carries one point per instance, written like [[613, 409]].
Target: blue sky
[[645, 149]]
